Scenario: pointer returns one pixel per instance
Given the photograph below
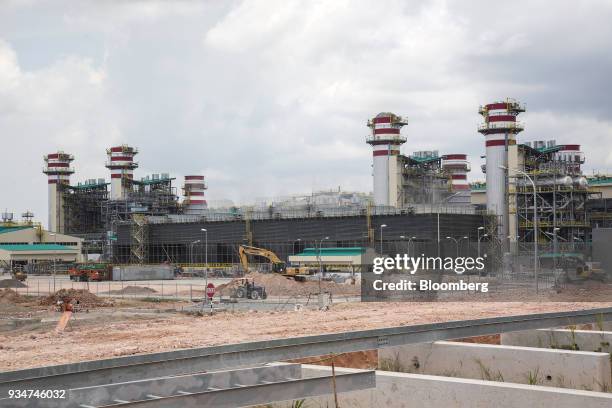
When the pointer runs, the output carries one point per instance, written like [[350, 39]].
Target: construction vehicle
[[248, 290], [19, 274], [575, 268], [86, 272], [278, 266]]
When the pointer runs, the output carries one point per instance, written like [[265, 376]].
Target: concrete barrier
[[402, 390], [142, 272], [523, 365], [584, 340]]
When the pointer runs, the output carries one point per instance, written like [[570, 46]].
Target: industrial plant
[[162, 270], [424, 195]]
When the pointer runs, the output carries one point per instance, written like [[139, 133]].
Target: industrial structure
[[121, 165], [562, 193], [500, 128], [425, 177], [194, 202], [58, 171], [141, 220], [386, 141], [25, 244]]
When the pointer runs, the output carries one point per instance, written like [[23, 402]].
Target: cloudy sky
[[271, 97]]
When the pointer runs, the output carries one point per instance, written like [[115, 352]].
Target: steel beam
[[164, 387], [123, 369], [264, 393], [220, 392]]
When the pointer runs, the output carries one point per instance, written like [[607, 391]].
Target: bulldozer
[[278, 266]]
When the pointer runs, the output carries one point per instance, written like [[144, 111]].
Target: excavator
[[278, 266]]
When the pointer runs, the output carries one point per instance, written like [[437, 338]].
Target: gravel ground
[[115, 336]]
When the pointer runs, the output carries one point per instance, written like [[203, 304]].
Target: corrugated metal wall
[[286, 237]]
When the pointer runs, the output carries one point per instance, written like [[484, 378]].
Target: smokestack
[[193, 191], [121, 164], [499, 129], [458, 167], [386, 141], [58, 171]]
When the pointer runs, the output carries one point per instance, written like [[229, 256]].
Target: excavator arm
[[244, 251]]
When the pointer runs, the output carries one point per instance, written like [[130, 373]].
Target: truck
[[94, 272]]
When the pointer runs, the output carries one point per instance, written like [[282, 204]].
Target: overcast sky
[[271, 97]]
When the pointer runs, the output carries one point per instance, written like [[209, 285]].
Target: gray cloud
[[272, 97]]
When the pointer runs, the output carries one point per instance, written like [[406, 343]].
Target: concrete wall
[[523, 365], [584, 340], [401, 390]]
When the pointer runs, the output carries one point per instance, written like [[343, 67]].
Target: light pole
[[191, 251], [54, 235], [320, 263], [478, 231], [555, 245], [535, 224], [298, 244], [466, 238], [479, 238], [409, 242], [381, 237], [205, 231], [456, 244]]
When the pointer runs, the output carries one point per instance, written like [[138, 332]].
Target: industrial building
[[425, 195], [91, 209], [424, 177], [341, 259], [27, 243], [567, 203]]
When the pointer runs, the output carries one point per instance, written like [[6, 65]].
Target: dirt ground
[[112, 333], [278, 285]]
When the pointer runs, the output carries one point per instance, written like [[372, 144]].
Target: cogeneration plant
[[424, 196]]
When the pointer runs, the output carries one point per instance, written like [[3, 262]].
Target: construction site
[[138, 293]]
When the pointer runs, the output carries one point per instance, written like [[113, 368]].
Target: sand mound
[[84, 297], [11, 283], [8, 296], [133, 290], [278, 285]]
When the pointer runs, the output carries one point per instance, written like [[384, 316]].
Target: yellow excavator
[[278, 266]]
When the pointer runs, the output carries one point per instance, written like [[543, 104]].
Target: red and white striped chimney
[[386, 141], [121, 164], [500, 128], [457, 166], [58, 171], [193, 192]]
